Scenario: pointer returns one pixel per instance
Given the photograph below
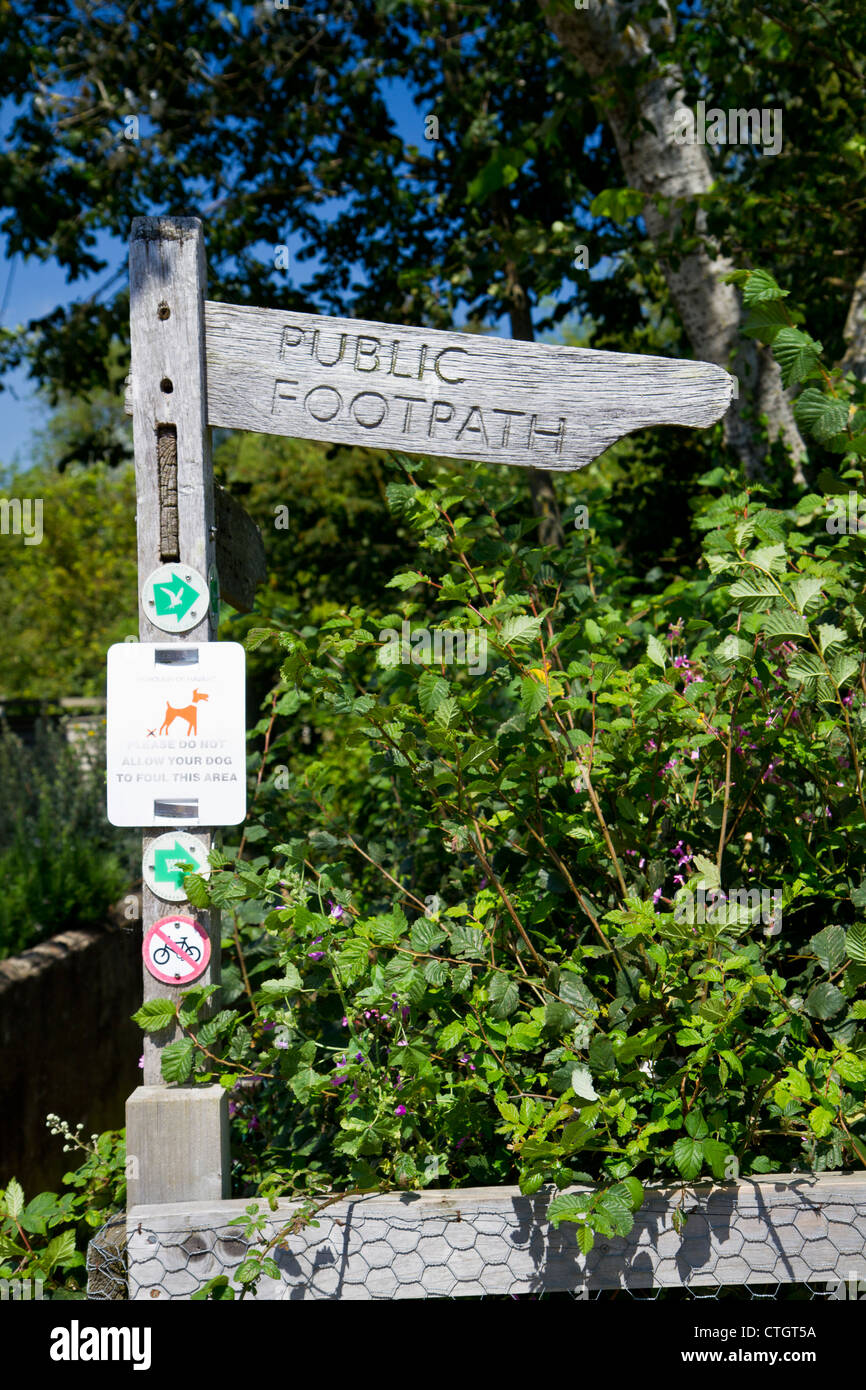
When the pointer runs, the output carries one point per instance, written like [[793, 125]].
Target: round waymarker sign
[[175, 598], [167, 859], [176, 950]]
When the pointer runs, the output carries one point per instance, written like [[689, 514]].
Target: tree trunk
[[855, 331], [654, 163]]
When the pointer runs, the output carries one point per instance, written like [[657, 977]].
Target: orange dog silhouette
[[189, 713]]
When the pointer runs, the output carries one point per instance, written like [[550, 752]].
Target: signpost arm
[[175, 522]]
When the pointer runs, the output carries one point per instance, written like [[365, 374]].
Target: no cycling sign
[[176, 950]]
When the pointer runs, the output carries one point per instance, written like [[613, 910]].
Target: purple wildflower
[[682, 856]]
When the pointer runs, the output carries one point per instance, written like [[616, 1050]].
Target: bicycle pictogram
[[163, 954]]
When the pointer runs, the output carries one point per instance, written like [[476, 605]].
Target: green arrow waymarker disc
[[165, 863], [175, 598]]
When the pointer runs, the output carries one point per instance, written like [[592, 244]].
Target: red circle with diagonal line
[[176, 950]]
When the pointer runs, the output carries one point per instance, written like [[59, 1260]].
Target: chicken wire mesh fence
[[798, 1238], [108, 1278]]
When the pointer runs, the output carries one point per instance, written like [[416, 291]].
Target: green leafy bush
[[590, 914], [45, 1239], [59, 862]]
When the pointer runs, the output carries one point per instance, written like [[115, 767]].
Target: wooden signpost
[[460, 395], [196, 365], [177, 1139]]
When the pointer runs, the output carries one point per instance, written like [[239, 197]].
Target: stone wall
[[67, 1045]]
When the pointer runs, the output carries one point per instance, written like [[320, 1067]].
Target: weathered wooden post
[[177, 1138]]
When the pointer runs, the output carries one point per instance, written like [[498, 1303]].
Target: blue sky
[[30, 288]]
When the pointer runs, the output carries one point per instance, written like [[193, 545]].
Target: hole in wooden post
[[166, 456], [166, 385], [163, 311]]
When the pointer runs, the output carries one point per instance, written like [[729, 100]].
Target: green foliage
[[482, 218], [619, 204], [509, 850], [71, 596], [46, 1237], [461, 934], [61, 865], [757, 201]]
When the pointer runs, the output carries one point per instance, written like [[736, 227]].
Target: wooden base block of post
[[177, 1144]]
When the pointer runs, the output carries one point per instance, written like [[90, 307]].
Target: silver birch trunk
[[654, 164]]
